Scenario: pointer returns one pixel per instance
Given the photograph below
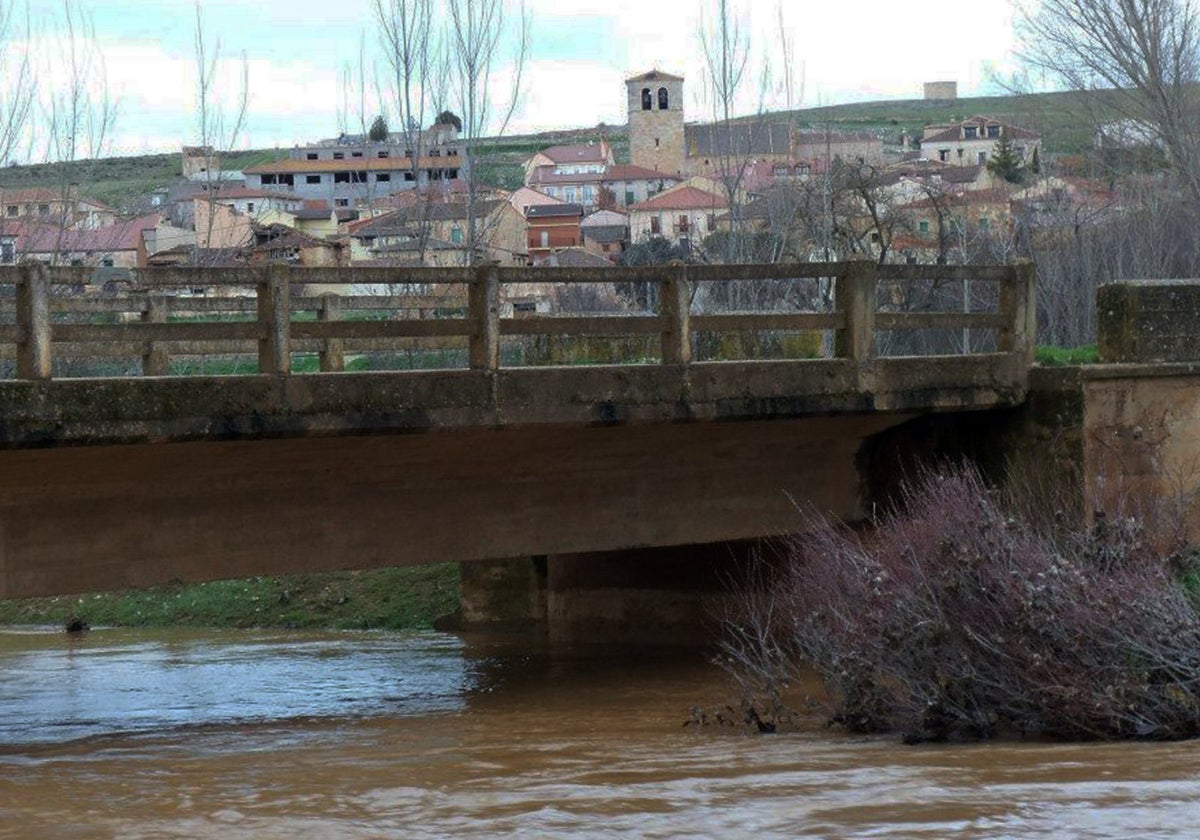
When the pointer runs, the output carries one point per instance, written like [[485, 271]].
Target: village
[[757, 189]]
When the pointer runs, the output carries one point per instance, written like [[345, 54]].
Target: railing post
[[333, 350], [675, 307], [33, 317], [1018, 305], [483, 307], [274, 316], [855, 300], [155, 359]]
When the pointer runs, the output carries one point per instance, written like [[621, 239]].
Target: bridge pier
[[672, 595]]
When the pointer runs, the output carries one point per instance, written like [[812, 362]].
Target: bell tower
[[656, 121]]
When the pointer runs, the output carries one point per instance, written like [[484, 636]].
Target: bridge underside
[[106, 484], [105, 517]]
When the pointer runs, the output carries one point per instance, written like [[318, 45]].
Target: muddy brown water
[[164, 734]]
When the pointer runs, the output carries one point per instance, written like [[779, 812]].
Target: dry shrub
[[956, 619]]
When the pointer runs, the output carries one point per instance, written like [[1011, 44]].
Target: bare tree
[[16, 81], [477, 32], [218, 128], [1144, 55], [414, 47]]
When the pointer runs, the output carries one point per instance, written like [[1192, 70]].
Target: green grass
[[1058, 356], [409, 598]]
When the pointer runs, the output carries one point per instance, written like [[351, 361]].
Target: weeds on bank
[[956, 618], [395, 599]]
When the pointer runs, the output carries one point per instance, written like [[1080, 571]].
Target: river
[[252, 734]]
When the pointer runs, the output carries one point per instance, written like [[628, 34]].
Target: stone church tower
[[656, 121]]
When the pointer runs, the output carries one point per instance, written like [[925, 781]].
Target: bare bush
[[956, 619]]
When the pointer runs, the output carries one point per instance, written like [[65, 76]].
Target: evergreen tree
[[1005, 161], [1035, 165], [449, 118], [378, 132]]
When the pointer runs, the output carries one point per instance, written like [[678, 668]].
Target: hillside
[[1064, 119]]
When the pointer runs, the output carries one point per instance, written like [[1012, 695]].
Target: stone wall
[[1149, 321]]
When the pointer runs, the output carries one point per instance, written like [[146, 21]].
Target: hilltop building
[[973, 142], [352, 168]]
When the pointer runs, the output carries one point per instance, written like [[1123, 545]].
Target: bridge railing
[[855, 310]]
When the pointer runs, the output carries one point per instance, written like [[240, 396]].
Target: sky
[[296, 54]]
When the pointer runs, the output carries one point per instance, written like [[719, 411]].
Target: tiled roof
[[575, 258], [607, 233], [578, 153], [655, 76], [629, 172], [123, 236], [682, 198], [42, 195], [743, 138], [541, 211], [233, 193], [954, 132]]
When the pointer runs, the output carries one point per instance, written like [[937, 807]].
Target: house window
[[384, 154], [339, 155], [341, 177], [287, 178], [383, 177], [107, 262], [923, 226], [43, 209], [268, 179], [656, 142], [970, 132], [655, 225], [943, 155], [311, 156], [629, 199], [456, 235], [312, 179], [341, 202], [408, 153], [356, 154], [545, 239], [8, 252], [663, 99], [11, 210], [981, 158], [249, 206], [683, 223], [434, 153], [408, 176], [984, 223], [960, 154], [993, 131], [802, 169], [647, 101]]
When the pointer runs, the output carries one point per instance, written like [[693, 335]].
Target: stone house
[[973, 142], [63, 208], [552, 227], [683, 215], [501, 232]]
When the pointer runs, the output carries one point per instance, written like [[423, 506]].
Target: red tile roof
[[578, 153], [682, 198]]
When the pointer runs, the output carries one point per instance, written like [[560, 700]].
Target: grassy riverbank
[[393, 599]]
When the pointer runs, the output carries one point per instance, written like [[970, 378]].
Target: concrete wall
[[104, 517]]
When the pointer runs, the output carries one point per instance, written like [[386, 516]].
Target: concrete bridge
[[110, 481]]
